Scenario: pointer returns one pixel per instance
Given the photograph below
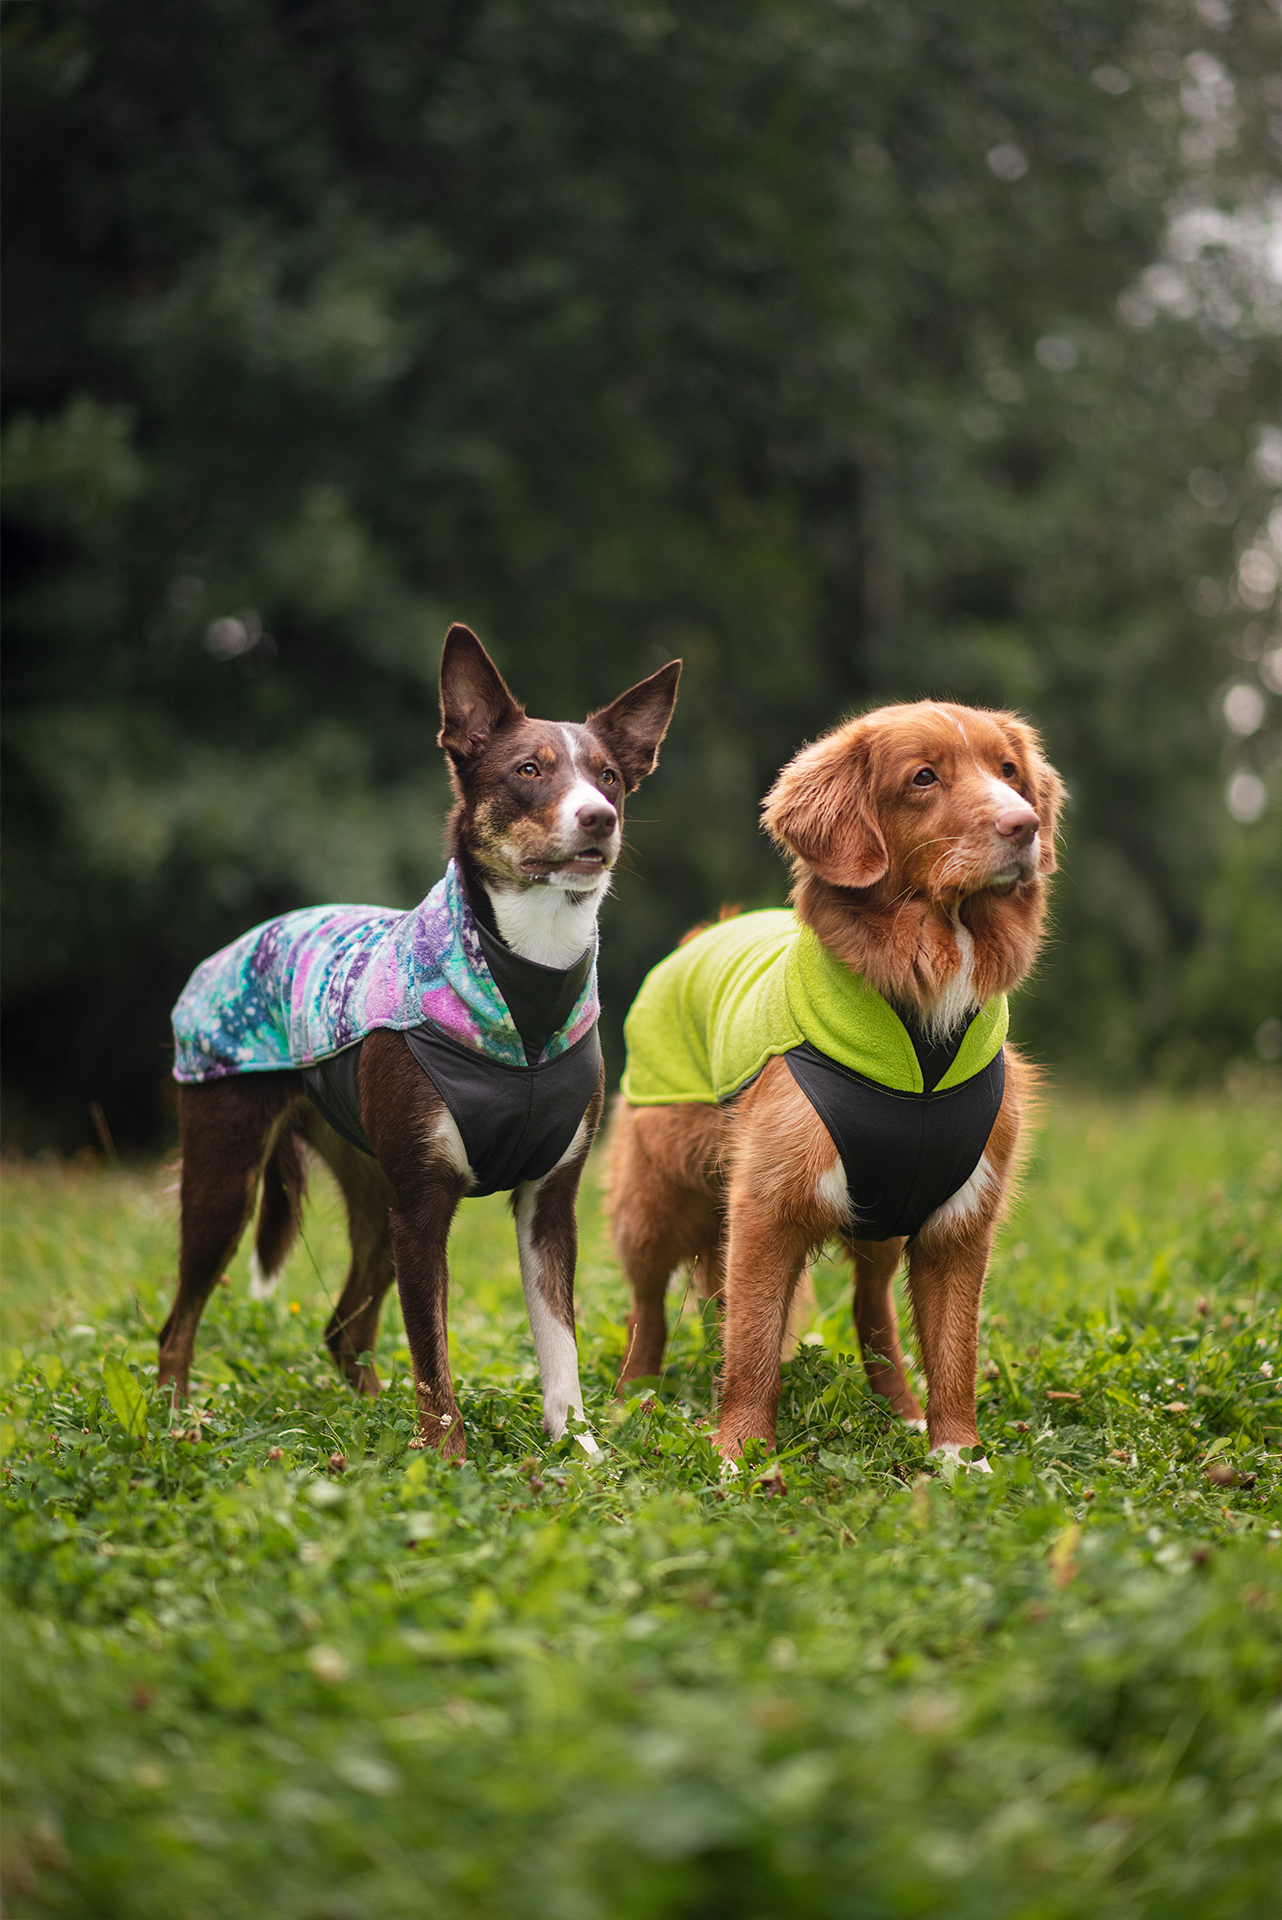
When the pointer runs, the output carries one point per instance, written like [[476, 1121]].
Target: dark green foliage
[[621, 333], [839, 1684]]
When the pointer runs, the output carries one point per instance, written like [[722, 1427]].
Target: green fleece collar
[[840, 1014]]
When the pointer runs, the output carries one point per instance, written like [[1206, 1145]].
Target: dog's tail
[[725, 912], [279, 1214]]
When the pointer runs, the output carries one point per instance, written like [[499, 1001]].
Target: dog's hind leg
[[876, 1262], [227, 1129], [665, 1207], [280, 1213], [547, 1239], [368, 1197]]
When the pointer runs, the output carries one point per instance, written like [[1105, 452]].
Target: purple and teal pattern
[[297, 989]]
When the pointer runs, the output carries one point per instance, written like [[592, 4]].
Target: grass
[[240, 1683]]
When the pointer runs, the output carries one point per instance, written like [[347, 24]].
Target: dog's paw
[[949, 1453], [915, 1426]]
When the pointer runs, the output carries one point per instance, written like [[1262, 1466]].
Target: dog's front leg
[[547, 1239], [946, 1271], [422, 1154], [419, 1240]]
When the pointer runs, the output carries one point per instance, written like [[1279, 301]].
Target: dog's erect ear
[[821, 808], [1048, 791], [633, 725], [475, 702]]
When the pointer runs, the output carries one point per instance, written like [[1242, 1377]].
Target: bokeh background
[[852, 351]]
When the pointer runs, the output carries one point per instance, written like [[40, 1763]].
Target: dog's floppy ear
[[633, 725], [1048, 791], [475, 702], [821, 808]]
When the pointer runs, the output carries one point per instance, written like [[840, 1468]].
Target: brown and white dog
[[921, 837], [535, 831]]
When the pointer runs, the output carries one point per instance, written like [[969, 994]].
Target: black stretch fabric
[[904, 1154], [515, 1122]]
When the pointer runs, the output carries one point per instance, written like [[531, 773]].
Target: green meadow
[[270, 1662]]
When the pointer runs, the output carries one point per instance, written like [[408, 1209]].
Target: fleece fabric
[[709, 1017]]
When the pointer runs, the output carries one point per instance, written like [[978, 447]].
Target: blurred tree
[[852, 351]]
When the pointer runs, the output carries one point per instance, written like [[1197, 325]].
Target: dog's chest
[[903, 1154], [515, 1121]]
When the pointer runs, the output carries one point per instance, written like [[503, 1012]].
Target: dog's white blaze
[[547, 923], [832, 1189], [446, 1137], [951, 1450], [1023, 859], [966, 1200], [554, 1346], [262, 1285], [581, 794]]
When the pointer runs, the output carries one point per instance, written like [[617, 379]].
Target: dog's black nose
[[598, 817]]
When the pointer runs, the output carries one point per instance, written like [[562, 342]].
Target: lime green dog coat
[[909, 1119]]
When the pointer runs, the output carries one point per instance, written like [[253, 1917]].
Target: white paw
[[950, 1450], [557, 1419], [915, 1426], [261, 1285], [729, 1469]]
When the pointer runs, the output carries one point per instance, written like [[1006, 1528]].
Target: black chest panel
[[904, 1154], [516, 1122]]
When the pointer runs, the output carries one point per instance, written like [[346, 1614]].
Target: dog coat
[[909, 1116], [511, 1046]]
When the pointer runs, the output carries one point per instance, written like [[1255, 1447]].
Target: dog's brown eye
[[1009, 770], [530, 771], [924, 777], [609, 778]]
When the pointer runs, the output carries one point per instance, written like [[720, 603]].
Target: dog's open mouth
[[1009, 878], [590, 862]]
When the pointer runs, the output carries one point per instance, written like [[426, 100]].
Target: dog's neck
[[941, 960], [550, 924]]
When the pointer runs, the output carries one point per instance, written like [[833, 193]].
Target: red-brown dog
[[921, 837]]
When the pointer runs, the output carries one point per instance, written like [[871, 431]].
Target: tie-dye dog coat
[[297, 989], [305, 991]]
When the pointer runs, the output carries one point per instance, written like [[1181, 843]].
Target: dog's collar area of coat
[[709, 1017], [540, 999]]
